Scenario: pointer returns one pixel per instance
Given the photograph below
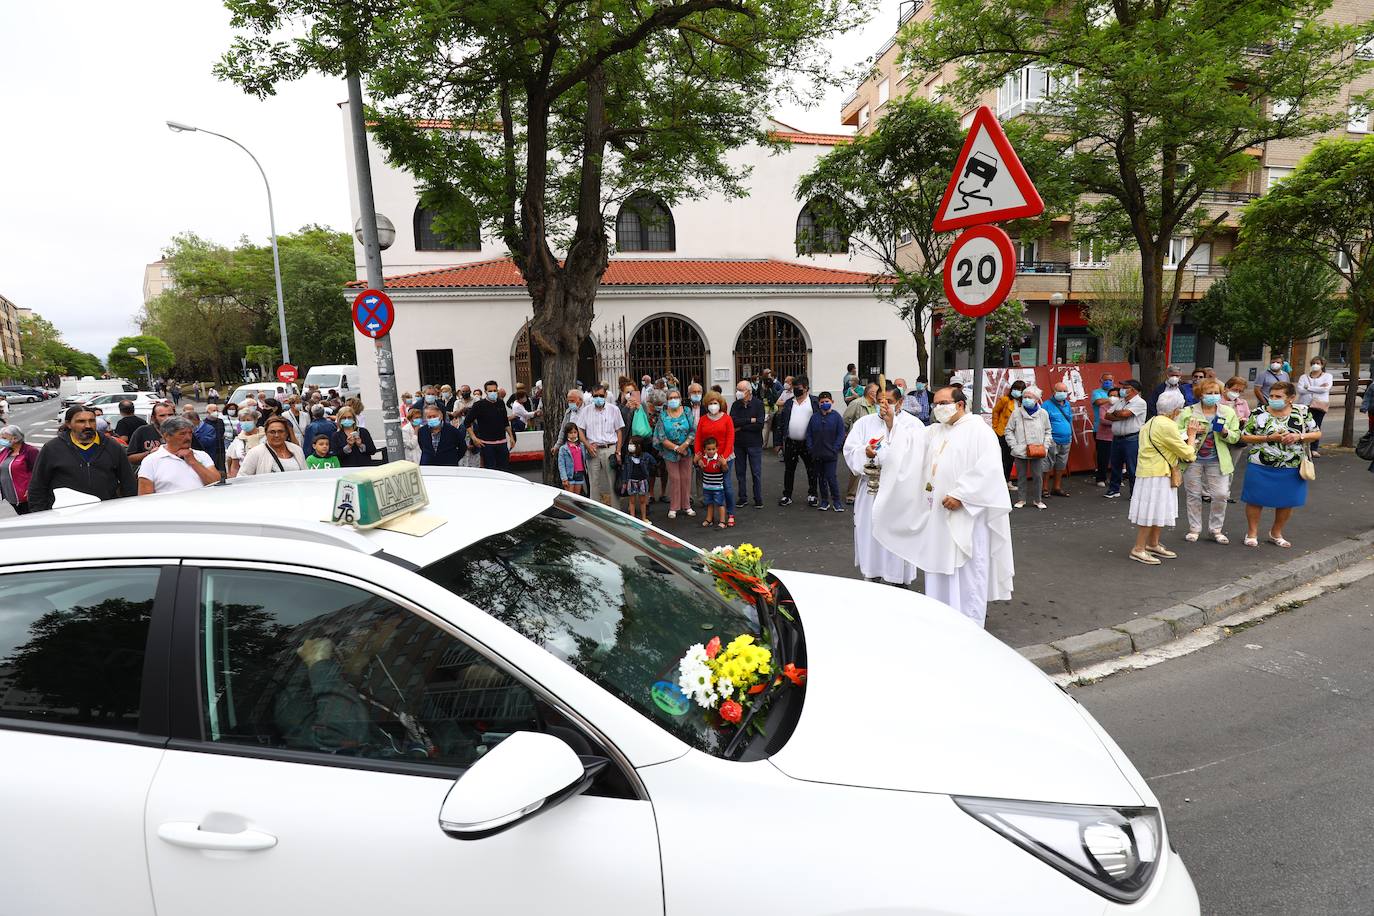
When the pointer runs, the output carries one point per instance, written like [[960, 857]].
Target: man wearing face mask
[[1173, 380], [319, 425], [793, 420], [747, 415], [958, 532], [917, 400], [441, 443], [824, 442], [82, 460], [490, 430], [1127, 415], [865, 440], [209, 437], [1060, 412], [602, 430], [1269, 377], [1102, 427]]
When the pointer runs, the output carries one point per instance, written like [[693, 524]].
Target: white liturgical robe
[[873, 559], [965, 553]]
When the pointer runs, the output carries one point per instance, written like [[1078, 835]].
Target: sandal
[[730, 521], [706, 524], [1058, 493], [1220, 538], [1280, 542], [1191, 537], [1251, 542], [721, 526]]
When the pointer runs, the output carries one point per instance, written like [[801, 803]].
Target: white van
[[90, 385], [343, 379]]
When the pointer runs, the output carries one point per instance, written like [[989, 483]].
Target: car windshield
[[619, 602], [324, 380]]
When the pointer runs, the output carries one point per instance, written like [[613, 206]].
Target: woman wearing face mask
[[17, 459], [674, 434], [1030, 437], [1314, 392], [410, 439], [1210, 473], [352, 444], [441, 443], [1234, 397], [249, 436], [1001, 414], [1274, 373], [1279, 432], [715, 423], [1154, 501]]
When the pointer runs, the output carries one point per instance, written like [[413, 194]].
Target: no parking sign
[[373, 313]]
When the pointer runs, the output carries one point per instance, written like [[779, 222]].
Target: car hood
[[904, 693]]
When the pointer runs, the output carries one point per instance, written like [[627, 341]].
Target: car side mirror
[[526, 774]]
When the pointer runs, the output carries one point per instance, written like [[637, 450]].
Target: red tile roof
[[815, 139], [501, 273]]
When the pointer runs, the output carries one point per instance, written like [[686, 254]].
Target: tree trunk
[[1351, 390], [561, 322], [1150, 346]]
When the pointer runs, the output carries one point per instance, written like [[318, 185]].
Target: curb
[[1074, 653]]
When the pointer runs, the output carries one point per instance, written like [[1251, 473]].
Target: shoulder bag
[[1306, 469], [1034, 450], [1176, 469], [1365, 447]]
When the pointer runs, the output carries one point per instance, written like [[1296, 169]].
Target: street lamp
[[1056, 300], [177, 127], [147, 364], [386, 231]]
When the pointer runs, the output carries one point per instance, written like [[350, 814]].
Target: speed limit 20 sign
[[979, 271]]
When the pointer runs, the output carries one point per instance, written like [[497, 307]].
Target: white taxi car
[[220, 703]]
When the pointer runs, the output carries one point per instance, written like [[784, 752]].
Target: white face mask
[[713, 409], [1232, 395], [943, 413], [1275, 367], [1173, 381], [1317, 368]]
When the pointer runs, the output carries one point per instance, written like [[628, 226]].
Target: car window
[[72, 644], [303, 663], [616, 600]]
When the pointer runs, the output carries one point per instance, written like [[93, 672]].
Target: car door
[[82, 727], [322, 727]]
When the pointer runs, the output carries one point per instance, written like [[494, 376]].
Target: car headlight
[[1113, 851]]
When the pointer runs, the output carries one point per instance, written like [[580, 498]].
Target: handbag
[[1365, 447], [1306, 469], [1035, 450]]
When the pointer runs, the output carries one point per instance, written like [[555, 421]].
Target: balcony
[[1042, 267], [1205, 270], [907, 9], [1228, 197]]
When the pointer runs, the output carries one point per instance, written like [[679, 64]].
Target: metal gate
[[527, 363], [668, 344], [771, 342]]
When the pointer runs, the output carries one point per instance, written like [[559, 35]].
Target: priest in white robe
[[959, 532], [865, 441]]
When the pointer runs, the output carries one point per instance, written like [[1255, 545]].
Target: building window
[[863, 116], [428, 238], [817, 232], [1024, 90], [1177, 246], [1026, 252], [1275, 174], [644, 223], [884, 91], [1359, 120], [936, 89], [1091, 253], [1366, 50], [1343, 260], [436, 367], [872, 359]]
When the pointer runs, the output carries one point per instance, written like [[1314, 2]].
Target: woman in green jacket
[[1209, 475]]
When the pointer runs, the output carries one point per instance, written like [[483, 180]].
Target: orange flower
[[757, 688], [794, 674], [731, 711], [713, 647]]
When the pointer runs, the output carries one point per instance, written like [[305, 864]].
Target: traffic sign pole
[[980, 337]]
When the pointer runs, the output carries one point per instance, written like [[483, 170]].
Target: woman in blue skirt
[[1277, 433]]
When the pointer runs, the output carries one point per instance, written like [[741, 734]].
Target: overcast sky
[[93, 184]]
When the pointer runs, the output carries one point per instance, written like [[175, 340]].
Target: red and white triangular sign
[[989, 184]]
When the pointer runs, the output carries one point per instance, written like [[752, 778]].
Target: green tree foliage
[[264, 358], [883, 191], [224, 300], [1111, 305], [160, 357], [47, 356], [1275, 299], [559, 111], [1326, 210], [1153, 102], [1007, 326]]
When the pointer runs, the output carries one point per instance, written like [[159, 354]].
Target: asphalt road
[[1260, 749], [38, 420]]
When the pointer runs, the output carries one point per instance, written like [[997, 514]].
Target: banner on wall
[[1081, 378]]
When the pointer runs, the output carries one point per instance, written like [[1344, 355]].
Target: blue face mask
[[1107, 384], [1061, 395], [826, 405], [674, 403], [696, 399], [1016, 395], [434, 422], [919, 387], [493, 395], [1211, 400], [345, 423], [247, 426], [599, 400], [1277, 403], [5, 443], [429, 399], [416, 421]]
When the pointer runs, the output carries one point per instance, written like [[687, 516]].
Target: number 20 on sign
[[979, 271]]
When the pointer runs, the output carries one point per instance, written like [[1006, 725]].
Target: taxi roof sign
[[375, 496]]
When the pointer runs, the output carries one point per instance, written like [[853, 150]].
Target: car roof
[[474, 504]]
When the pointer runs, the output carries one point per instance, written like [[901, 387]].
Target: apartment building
[[10, 352], [157, 277], [1057, 274]]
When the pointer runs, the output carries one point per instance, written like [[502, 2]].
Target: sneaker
[[672, 513], [758, 504], [810, 500], [1102, 484], [1019, 504], [1206, 499], [1116, 495], [837, 507], [1040, 506], [785, 501], [1011, 486], [823, 507], [691, 513]]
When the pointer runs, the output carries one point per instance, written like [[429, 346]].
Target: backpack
[[1365, 447]]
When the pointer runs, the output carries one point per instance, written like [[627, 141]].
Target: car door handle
[[189, 834]]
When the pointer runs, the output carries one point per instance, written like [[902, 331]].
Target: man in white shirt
[[793, 420], [1127, 414], [603, 429], [175, 466]]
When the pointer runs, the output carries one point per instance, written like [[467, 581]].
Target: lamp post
[[147, 364], [178, 127], [1056, 300]]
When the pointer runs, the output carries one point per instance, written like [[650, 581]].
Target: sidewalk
[[1072, 570]]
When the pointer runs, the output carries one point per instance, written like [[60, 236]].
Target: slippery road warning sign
[[989, 184]]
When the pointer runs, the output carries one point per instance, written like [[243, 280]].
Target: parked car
[[109, 403], [19, 396], [480, 711]]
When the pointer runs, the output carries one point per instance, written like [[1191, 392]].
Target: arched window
[[528, 361], [667, 344], [771, 342], [817, 232], [644, 224], [429, 238]]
